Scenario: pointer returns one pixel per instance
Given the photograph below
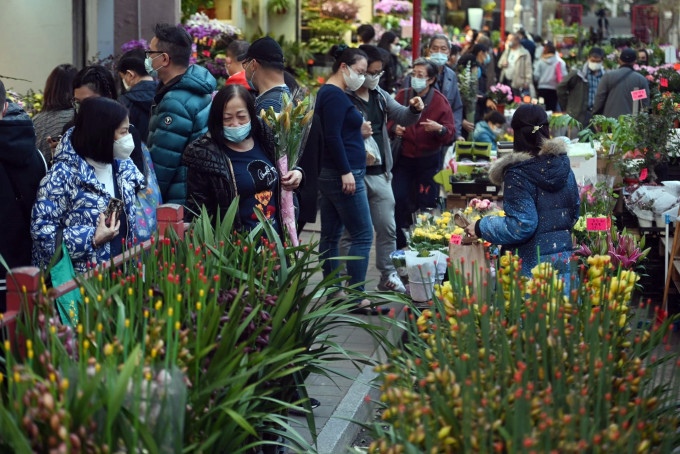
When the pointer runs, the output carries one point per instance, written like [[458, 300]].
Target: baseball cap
[[628, 55], [265, 50]]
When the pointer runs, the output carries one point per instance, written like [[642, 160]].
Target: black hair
[[366, 32], [431, 68], [290, 82], [346, 55], [98, 79], [439, 36], [521, 32], [59, 88], [475, 34], [238, 47], [373, 53], [95, 125], [3, 96], [495, 117], [478, 48], [174, 41], [530, 125], [467, 59], [133, 60], [386, 39], [216, 115], [596, 52], [549, 48], [455, 50]]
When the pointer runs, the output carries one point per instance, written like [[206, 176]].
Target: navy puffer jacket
[[178, 117]]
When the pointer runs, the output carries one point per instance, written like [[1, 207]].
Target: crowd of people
[[88, 171]]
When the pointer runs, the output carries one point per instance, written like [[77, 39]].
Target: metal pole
[[502, 23], [416, 28]]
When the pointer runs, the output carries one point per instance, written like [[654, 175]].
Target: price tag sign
[[456, 239], [663, 82], [597, 224], [643, 175], [518, 99], [638, 94]]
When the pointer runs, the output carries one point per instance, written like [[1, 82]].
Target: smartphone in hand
[[115, 206]]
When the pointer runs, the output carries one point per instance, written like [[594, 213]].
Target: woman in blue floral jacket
[[540, 196], [92, 167]]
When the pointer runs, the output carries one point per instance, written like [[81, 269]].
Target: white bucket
[[421, 284]]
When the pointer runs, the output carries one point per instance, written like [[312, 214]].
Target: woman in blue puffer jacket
[[92, 167], [540, 196]]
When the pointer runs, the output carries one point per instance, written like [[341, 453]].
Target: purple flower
[[134, 44], [393, 6]]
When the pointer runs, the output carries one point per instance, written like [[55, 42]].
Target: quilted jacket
[[178, 117], [541, 203], [71, 197]]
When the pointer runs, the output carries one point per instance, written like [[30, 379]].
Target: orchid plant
[[500, 94]]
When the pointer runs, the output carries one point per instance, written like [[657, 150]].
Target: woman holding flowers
[[541, 198], [236, 157]]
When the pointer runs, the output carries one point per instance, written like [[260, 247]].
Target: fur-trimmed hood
[[549, 170]]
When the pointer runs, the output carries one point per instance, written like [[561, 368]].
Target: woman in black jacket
[[236, 157]]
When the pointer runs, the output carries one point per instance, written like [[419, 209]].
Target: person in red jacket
[[421, 147]]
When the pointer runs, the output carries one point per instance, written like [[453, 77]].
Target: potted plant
[[500, 94], [278, 6]]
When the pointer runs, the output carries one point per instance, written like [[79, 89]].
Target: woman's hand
[[399, 130], [366, 129], [470, 229], [104, 234], [431, 126], [491, 105], [291, 180], [348, 184], [469, 127]]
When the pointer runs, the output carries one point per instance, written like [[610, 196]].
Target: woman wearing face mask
[[393, 70], [92, 168], [236, 157], [487, 130], [421, 145]]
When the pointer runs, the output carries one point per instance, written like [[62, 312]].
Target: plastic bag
[[373, 157]]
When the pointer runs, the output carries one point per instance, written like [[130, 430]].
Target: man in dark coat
[[140, 89], [614, 93], [21, 169]]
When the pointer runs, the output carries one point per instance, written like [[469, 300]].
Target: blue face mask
[[148, 65], [418, 84], [438, 58], [236, 134], [479, 73], [487, 60]]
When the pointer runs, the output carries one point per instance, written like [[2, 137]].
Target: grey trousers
[[381, 204]]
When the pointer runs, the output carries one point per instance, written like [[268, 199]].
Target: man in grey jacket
[[614, 94], [377, 107]]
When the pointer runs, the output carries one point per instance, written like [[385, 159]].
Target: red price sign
[[456, 239], [638, 94], [663, 82], [518, 99], [643, 175], [597, 224]]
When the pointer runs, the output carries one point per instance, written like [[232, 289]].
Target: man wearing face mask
[[181, 105], [140, 89], [576, 92], [447, 82], [516, 68], [378, 107], [21, 169], [613, 97], [263, 63]]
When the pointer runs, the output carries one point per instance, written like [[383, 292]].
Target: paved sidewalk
[[343, 398]]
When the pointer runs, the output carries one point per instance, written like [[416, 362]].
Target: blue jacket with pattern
[[541, 203], [71, 197], [178, 117]]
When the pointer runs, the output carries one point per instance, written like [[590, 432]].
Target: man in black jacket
[[140, 88], [21, 169]]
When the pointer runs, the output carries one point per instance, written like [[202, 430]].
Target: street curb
[[340, 430]]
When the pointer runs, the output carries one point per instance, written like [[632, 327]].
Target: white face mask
[[497, 131], [395, 49], [125, 85], [439, 58], [122, 148], [371, 82], [353, 81], [594, 66]]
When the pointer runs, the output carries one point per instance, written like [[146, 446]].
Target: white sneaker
[[391, 284]]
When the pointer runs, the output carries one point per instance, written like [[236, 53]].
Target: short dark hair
[[386, 39], [495, 117], [467, 58], [59, 88], [478, 48], [531, 128], [216, 115], [238, 47], [374, 53], [174, 41], [455, 50], [596, 52], [95, 125], [549, 47], [366, 32], [98, 79], [133, 60], [346, 55], [439, 36], [430, 67], [521, 32]]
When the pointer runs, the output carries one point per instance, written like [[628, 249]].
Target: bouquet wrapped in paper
[[290, 128]]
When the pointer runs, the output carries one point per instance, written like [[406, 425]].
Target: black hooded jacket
[[21, 169], [138, 101]]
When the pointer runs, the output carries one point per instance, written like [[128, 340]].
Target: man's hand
[[417, 103], [399, 130]]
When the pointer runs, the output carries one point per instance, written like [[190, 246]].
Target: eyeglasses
[[380, 74], [149, 52]]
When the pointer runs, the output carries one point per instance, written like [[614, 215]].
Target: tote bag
[[147, 200], [61, 272]]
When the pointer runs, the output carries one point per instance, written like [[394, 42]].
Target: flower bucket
[[645, 218], [421, 275]]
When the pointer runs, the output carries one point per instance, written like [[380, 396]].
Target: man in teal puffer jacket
[[180, 110]]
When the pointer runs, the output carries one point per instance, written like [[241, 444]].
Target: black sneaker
[[313, 403]]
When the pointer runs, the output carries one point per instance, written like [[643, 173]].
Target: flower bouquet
[[500, 94], [433, 232], [290, 129], [478, 208]]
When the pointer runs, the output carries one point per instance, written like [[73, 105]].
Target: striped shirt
[[593, 81]]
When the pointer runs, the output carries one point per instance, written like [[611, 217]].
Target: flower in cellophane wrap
[[290, 128]]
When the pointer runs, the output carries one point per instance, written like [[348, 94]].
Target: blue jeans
[[351, 211]]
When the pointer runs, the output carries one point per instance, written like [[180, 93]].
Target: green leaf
[[241, 421], [11, 435]]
